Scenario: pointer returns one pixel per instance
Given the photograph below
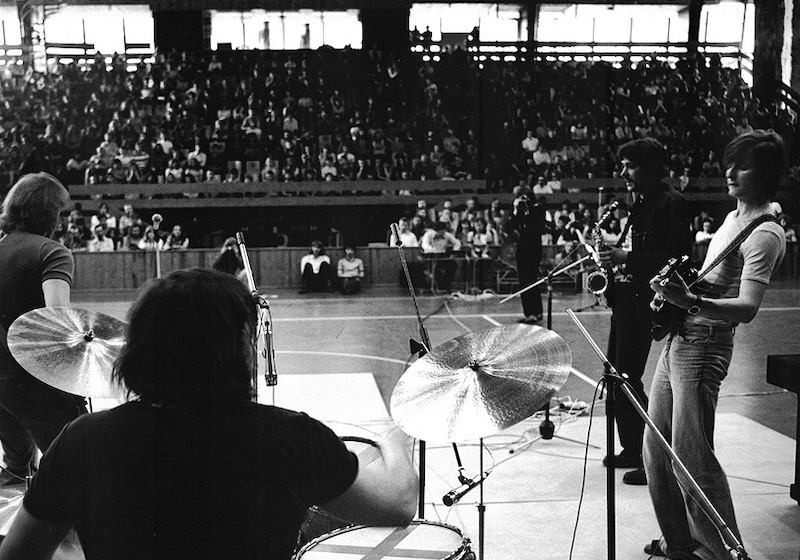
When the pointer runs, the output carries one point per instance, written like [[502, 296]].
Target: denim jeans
[[31, 414], [683, 400]]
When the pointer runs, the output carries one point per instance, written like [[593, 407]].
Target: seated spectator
[[542, 186], [791, 235], [100, 243], [117, 174], [407, 237], [350, 271], [530, 142], [150, 242], [74, 238], [176, 240], [194, 172], [437, 243], [315, 269], [481, 239], [174, 172], [75, 169], [705, 235], [133, 235]]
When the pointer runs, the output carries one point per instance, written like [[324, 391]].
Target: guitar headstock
[[672, 266]]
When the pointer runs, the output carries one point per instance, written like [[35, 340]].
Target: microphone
[[454, 495], [396, 233]]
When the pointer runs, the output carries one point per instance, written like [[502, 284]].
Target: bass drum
[[420, 539]]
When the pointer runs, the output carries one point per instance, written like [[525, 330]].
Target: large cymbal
[[480, 383], [68, 348]]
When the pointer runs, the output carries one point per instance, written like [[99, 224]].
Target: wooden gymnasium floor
[[339, 358]]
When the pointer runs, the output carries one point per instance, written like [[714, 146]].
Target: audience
[[315, 270], [350, 271]]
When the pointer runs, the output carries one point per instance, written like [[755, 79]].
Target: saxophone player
[[658, 227]]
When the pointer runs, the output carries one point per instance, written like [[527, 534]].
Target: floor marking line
[[492, 321], [583, 376]]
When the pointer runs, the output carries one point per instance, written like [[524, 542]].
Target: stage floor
[[339, 358]]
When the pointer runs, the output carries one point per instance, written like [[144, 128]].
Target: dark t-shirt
[[143, 482], [27, 260]]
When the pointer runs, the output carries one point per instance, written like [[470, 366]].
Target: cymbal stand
[[611, 376], [547, 429], [265, 322], [420, 348]]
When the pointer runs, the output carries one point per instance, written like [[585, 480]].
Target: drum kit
[[471, 387]]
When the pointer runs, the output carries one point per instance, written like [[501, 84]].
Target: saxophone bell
[[597, 282]]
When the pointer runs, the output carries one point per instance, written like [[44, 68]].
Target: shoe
[[625, 461], [654, 548], [636, 477], [530, 319], [303, 291]]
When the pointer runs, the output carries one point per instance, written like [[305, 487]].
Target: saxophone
[[597, 281]]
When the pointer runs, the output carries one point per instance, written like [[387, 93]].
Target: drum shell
[[421, 538]]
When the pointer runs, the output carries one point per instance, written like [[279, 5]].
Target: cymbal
[[480, 383], [69, 348]]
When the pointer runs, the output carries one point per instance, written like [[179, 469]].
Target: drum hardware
[[478, 384], [420, 539], [68, 348], [610, 377], [547, 428], [264, 323], [420, 349]]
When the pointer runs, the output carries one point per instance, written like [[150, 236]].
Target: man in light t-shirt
[[350, 271]]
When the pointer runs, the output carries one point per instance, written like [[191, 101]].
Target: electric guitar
[[667, 317]]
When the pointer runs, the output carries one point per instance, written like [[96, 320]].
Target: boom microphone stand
[[420, 348], [611, 376], [265, 321], [547, 428]]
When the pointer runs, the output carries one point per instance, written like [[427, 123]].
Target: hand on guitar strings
[[673, 290]]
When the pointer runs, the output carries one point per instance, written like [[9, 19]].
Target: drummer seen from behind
[[190, 467], [35, 271]]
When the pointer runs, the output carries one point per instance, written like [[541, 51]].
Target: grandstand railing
[[523, 50], [345, 193], [273, 268]]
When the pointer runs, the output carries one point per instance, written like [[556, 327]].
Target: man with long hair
[[190, 467], [35, 271], [695, 360], [659, 229]]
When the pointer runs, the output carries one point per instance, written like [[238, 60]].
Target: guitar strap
[[624, 233], [737, 241]]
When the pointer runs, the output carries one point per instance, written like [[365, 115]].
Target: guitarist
[[695, 360], [659, 229]]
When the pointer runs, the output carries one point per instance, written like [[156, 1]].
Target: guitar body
[[667, 319]]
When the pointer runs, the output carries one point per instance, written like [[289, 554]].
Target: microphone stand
[[611, 376], [547, 428], [420, 348], [467, 484], [265, 322]]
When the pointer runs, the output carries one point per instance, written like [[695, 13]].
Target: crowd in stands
[[106, 231], [341, 115]]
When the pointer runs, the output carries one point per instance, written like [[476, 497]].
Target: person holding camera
[[528, 223]]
